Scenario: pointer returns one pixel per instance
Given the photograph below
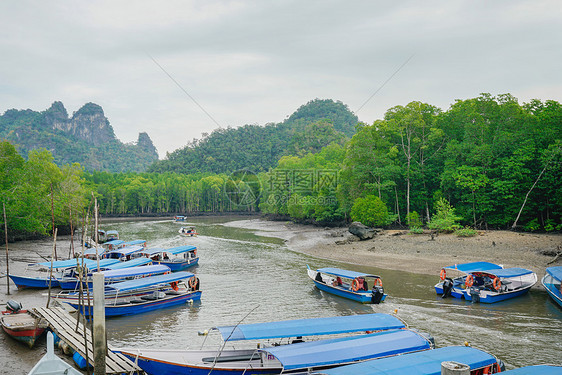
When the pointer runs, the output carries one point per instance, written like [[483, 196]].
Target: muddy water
[[256, 279]]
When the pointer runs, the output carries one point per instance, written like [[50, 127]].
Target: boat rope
[[229, 336]]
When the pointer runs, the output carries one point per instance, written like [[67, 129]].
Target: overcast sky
[[256, 62]]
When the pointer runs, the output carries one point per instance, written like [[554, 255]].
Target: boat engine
[[475, 293], [13, 306], [447, 287], [377, 294]]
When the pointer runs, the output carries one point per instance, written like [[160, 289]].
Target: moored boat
[[124, 253], [22, 325], [453, 286], [536, 370], [177, 258], [50, 364], [552, 282], [424, 363], [294, 355], [139, 295], [492, 286], [348, 284]]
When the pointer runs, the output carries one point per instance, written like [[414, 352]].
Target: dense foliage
[[486, 162], [258, 148], [86, 138]]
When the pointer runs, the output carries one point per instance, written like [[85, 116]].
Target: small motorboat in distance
[[427, 362], [348, 284], [453, 287], [188, 231], [497, 285], [552, 282], [22, 325]]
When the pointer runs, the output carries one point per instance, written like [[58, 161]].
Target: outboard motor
[[13, 306], [377, 294], [475, 293], [447, 287]]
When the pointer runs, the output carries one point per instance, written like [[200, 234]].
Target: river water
[[250, 278]]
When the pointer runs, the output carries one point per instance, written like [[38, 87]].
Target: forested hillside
[[484, 163], [86, 138], [257, 148]]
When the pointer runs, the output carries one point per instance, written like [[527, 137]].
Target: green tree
[[370, 211]]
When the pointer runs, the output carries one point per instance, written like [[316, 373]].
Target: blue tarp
[[135, 271], [310, 327], [129, 263], [135, 242], [104, 263], [508, 272], [344, 273], [536, 370], [555, 272], [422, 363], [146, 282], [125, 250], [69, 263], [114, 242], [474, 267], [345, 350], [180, 249]]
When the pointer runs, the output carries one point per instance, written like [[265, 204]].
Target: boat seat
[[137, 301], [149, 298]]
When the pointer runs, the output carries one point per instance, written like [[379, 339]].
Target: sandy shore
[[419, 253]]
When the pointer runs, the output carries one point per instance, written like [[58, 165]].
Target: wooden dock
[[64, 325]]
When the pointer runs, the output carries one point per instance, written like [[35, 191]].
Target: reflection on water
[[240, 271]]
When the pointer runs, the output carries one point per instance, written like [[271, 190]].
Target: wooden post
[[51, 269], [7, 257], [100, 344], [454, 368]]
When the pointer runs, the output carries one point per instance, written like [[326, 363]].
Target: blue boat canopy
[[125, 250], [114, 242], [180, 249], [92, 251], [112, 232], [135, 242], [129, 263], [69, 263], [104, 263], [135, 271], [344, 273], [146, 282], [422, 363], [310, 327], [534, 370], [348, 349], [508, 272], [474, 267], [555, 272], [152, 251]]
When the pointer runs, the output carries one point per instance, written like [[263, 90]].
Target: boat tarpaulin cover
[[536, 370], [180, 249], [344, 273], [310, 327], [555, 272], [135, 242], [146, 282], [70, 263], [126, 250], [422, 363], [136, 271], [129, 263], [114, 243], [474, 267], [151, 251], [509, 272], [345, 350]]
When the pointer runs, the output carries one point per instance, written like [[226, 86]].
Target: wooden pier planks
[[64, 325]]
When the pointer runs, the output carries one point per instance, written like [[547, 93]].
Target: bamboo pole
[[7, 256], [51, 268]]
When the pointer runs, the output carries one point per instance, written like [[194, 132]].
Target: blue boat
[[348, 284], [139, 295], [70, 281], [43, 278], [453, 286], [552, 282], [292, 356], [124, 253], [179, 218], [536, 370], [424, 363], [135, 243], [177, 258], [111, 235], [492, 286]]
